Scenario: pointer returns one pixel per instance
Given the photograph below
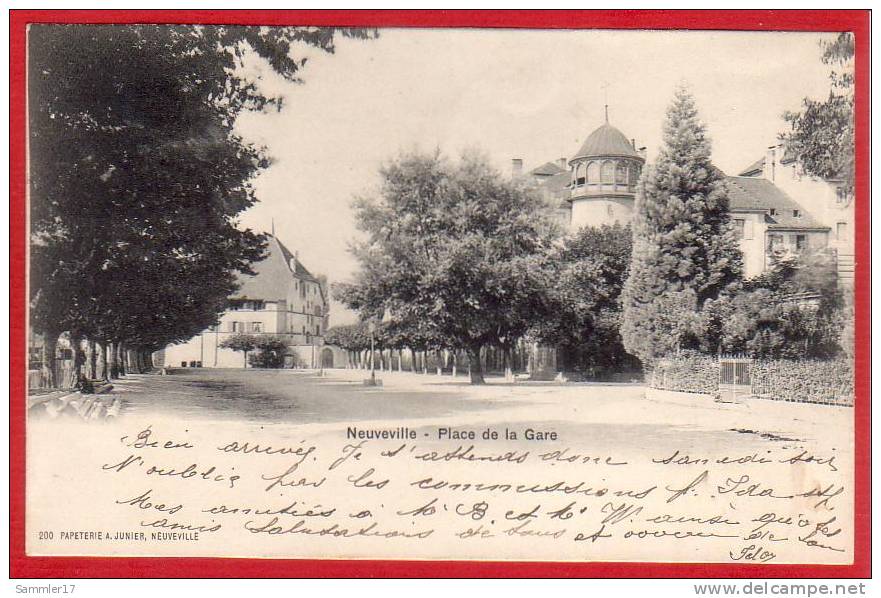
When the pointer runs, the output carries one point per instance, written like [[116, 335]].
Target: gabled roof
[[273, 274], [607, 141], [756, 168], [761, 195], [547, 169], [557, 184]]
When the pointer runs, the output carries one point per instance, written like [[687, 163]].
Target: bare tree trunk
[[120, 358], [91, 360], [440, 363], [101, 360], [47, 359], [476, 370], [79, 359], [454, 361], [507, 357], [113, 364]]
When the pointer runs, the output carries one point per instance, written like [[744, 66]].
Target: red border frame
[[23, 566]]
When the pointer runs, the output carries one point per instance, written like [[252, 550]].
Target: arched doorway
[[326, 358]]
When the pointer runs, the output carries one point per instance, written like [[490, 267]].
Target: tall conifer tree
[[684, 249]]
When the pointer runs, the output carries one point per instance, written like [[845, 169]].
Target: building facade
[[775, 207], [281, 299], [824, 201]]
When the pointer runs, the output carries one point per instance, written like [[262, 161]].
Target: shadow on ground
[[295, 397]]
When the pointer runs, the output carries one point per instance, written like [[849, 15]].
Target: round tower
[[604, 175]]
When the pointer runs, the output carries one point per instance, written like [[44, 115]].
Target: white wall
[[599, 211], [752, 245]]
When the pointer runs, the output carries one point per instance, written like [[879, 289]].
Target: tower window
[[634, 174], [607, 173]]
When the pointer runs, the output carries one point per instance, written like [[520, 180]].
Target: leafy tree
[[684, 248], [794, 310], [592, 266], [456, 248], [822, 133], [137, 174], [353, 338], [271, 352], [241, 342]]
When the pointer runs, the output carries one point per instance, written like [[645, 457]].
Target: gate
[[734, 377], [326, 358]]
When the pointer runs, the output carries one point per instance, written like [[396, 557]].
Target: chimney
[[633, 143], [516, 168], [562, 163], [770, 166]]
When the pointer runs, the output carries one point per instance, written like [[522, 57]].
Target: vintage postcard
[[561, 294]]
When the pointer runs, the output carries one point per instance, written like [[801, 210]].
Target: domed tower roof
[[606, 141]]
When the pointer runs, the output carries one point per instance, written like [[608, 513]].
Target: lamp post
[[372, 381]]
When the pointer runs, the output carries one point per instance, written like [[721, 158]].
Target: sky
[[534, 95]]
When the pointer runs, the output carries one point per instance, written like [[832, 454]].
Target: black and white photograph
[[458, 294]]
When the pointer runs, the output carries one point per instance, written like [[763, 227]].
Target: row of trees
[[457, 257], [454, 254], [138, 176]]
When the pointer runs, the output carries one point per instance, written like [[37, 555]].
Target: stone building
[[282, 299], [775, 207], [823, 201]]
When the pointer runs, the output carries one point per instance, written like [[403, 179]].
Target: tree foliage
[[684, 248], [591, 267], [137, 174], [271, 352], [453, 251], [795, 310], [241, 343], [352, 337], [821, 134]]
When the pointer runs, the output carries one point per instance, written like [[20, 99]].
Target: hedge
[[802, 381], [689, 372]]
